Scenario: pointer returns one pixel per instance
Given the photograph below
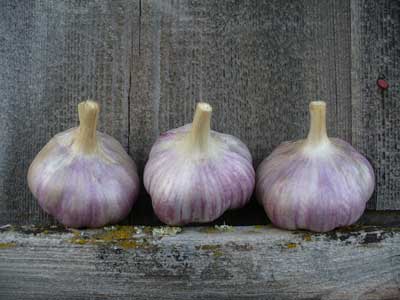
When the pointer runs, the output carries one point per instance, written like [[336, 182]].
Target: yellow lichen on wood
[[210, 230], [121, 236], [8, 245], [117, 233], [217, 253], [291, 245], [166, 230], [136, 244], [260, 227]]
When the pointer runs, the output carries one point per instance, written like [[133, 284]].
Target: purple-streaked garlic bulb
[[317, 183], [194, 174], [82, 177]]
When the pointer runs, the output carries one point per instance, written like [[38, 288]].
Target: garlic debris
[[194, 174], [82, 177], [318, 183]]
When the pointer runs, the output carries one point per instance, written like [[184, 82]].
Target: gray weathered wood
[[258, 63], [376, 115], [55, 54], [380, 218], [205, 263]]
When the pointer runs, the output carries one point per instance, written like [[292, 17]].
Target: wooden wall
[[258, 63], [376, 116]]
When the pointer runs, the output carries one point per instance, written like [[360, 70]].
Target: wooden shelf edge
[[255, 262]]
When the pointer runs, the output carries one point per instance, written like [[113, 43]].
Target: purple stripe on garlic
[[318, 183], [82, 177], [194, 174]]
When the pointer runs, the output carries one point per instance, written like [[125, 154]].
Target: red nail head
[[382, 84]]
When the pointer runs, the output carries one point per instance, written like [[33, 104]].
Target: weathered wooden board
[[206, 263], [376, 115], [55, 54], [258, 63]]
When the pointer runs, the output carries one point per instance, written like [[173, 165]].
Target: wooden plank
[[380, 218], [144, 98], [200, 263], [376, 115], [258, 63], [53, 55]]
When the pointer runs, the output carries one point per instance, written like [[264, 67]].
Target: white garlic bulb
[[82, 177], [195, 174], [318, 183]]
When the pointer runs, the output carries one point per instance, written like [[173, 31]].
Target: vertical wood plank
[[145, 80], [55, 54], [144, 97], [258, 63], [376, 114]]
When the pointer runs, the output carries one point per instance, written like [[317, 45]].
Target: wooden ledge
[[222, 262]]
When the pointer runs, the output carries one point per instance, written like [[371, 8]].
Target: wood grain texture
[[205, 263], [55, 54], [376, 114], [258, 63]]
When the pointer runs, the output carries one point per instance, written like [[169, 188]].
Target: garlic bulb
[[195, 174], [318, 183], [82, 177]]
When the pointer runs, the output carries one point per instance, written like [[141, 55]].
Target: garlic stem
[[200, 132], [86, 138], [317, 133]]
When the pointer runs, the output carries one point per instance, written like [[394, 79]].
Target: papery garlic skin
[[195, 177], [84, 181], [318, 183]]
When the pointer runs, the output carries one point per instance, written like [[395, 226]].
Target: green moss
[[7, 245]]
